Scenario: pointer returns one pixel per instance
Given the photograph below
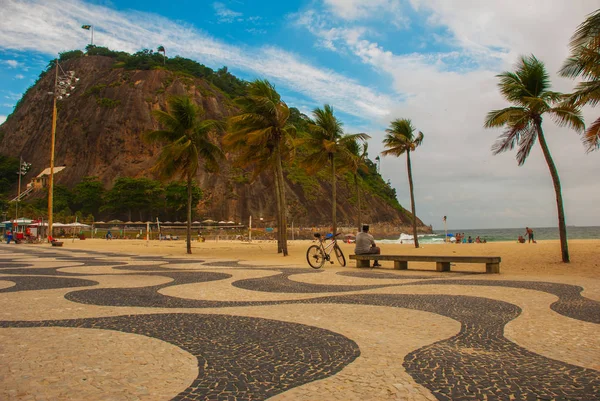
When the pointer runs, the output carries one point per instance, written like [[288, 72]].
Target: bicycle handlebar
[[318, 235]]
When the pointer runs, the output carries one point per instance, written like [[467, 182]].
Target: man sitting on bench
[[365, 244]]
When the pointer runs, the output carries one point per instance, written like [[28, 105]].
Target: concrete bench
[[492, 263]]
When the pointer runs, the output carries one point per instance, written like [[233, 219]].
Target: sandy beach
[[537, 260]]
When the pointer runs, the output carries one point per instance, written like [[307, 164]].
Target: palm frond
[[159, 136], [166, 120], [586, 93], [419, 139], [511, 86], [510, 137], [591, 138], [499, 118], [402, 127], [260, 136], [526, 142], [184, 111], [529, 80], [587, 32], [325, 119], [568, 115], [584, 63], [395, 144]]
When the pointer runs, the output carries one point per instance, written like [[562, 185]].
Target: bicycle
[[316, 255]]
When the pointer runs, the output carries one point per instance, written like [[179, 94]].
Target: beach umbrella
[[196, 222], [19, 221], [129, 222], [38, 224], [231, 222], [57, 224], [116, 221], [222, 222], [99, 222], [76, 224], [177, 222]]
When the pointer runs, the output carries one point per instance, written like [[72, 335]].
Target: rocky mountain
[[98, 134]]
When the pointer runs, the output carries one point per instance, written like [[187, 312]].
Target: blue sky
[[433, 61]]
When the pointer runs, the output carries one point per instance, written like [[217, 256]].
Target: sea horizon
[[499, 234]]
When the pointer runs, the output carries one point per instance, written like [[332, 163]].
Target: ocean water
[[498, 234]]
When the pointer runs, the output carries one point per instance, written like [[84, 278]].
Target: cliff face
[[98, 134]]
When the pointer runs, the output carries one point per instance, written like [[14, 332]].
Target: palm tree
[[584, 62], [356, 163], [401, 139], [261, 135], [528, 89], [186, 139], [326, 145]]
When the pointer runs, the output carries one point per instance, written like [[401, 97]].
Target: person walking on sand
[[365, 244], [529, 233]]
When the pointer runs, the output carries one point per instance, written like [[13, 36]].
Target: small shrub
[[95, 90], [108, 103]]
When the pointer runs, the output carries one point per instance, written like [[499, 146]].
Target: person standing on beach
[[529, 233], [365, 244]]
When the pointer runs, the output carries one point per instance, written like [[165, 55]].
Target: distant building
[[41, 181]]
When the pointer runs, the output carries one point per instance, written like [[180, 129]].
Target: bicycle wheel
[[315, 257], [340, 255]]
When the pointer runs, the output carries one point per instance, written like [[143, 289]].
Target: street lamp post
[[23, 169], [62, 85]]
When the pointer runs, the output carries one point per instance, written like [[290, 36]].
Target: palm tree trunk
[[281, 202], [334, 195], [562, 226], [412, 199], [278, 202], [358, 215], [189, 215]]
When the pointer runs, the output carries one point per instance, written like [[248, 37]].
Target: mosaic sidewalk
[[102, 326]]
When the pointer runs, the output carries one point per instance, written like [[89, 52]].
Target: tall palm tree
[[261, 136], [584, 62], [326, 145], [401, 139], [528, 88], [187, 139], [356, 163]]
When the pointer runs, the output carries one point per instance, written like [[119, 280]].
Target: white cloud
[[353, 10], [2, 119], [19, 76], [12, 63], [51, 27], [225, 14], [11, 95]]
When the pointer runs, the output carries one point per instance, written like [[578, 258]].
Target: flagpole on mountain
[[87, 28]]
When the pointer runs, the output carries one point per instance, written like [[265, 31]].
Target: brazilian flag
[[86, 27]]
